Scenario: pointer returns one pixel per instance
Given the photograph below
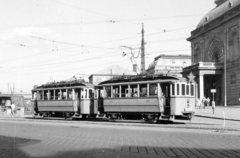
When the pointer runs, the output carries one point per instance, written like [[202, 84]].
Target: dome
[[218, 11]]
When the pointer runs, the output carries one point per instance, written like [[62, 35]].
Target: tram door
[[100, 100], [166, 97], [77, 100]]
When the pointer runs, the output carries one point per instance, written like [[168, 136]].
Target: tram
[[65, 99], [147, 97]]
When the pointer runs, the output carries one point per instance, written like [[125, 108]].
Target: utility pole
[[225, 68], [142, 51]]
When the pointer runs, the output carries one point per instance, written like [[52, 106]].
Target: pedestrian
[[213, 106], [198, 103], [208, 102], [203, 102], [13, 108]]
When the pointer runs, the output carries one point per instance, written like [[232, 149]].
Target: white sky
[[44, 40]]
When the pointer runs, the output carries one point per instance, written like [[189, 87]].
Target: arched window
[[215, 51]]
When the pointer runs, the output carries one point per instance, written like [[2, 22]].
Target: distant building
[[215, 44], [108, 73], [169, 64]]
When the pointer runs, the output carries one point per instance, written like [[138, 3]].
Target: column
[[120, 91], [201, 86]]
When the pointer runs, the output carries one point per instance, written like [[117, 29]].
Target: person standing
[[13, 108]]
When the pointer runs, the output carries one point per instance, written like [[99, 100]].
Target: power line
[[98, 57], [69, 43]]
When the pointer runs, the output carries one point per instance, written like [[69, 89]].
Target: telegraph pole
[[142, 51]]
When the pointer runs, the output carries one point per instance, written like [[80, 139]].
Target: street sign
[[213, 90]]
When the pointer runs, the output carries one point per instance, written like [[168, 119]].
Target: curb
[[23, 119], [216, 118]]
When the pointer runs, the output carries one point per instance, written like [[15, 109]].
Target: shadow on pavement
[[102, 120], [10, 146]]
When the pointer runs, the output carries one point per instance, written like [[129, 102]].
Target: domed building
[[216, 48]]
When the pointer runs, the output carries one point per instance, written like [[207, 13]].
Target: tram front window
[[152, 89], [183, 89], [192, 90]]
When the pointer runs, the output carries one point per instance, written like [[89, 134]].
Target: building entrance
[[213, 82]]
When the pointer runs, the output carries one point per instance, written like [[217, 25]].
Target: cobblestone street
[[43, 139]]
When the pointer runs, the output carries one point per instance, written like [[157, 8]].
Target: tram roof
[[64, 84], [142, 79]]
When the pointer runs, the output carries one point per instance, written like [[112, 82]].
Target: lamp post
[[225, 68]]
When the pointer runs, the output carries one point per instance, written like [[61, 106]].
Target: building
[[169, 64], [216, 48], [110, 72]]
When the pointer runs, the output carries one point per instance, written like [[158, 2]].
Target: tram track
[[137, 123]]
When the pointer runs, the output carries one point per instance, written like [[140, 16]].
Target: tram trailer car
[[65, 99], [147, 97]]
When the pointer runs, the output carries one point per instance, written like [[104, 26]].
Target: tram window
[[85, 93], [34, 95], [51, 95], [58, 94], [91, 93], [173, 89], [69, 94], [124, 91], [64, 94], [39, 95], [96, 93], [187, 90], [183, 89], [108, 91], [76, 93], [152, 89], [178, 89], [192, 90], [143, 90], [133, 90], [115, 91], [45, 95]]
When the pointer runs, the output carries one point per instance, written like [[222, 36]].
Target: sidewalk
[[221, 112]]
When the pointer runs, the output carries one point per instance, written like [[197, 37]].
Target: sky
[[53, 40]]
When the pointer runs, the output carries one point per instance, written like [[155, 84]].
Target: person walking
[[203, 102], [208, 102]]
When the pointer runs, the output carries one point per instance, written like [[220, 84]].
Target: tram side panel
[[55, 106], [131, 105]]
